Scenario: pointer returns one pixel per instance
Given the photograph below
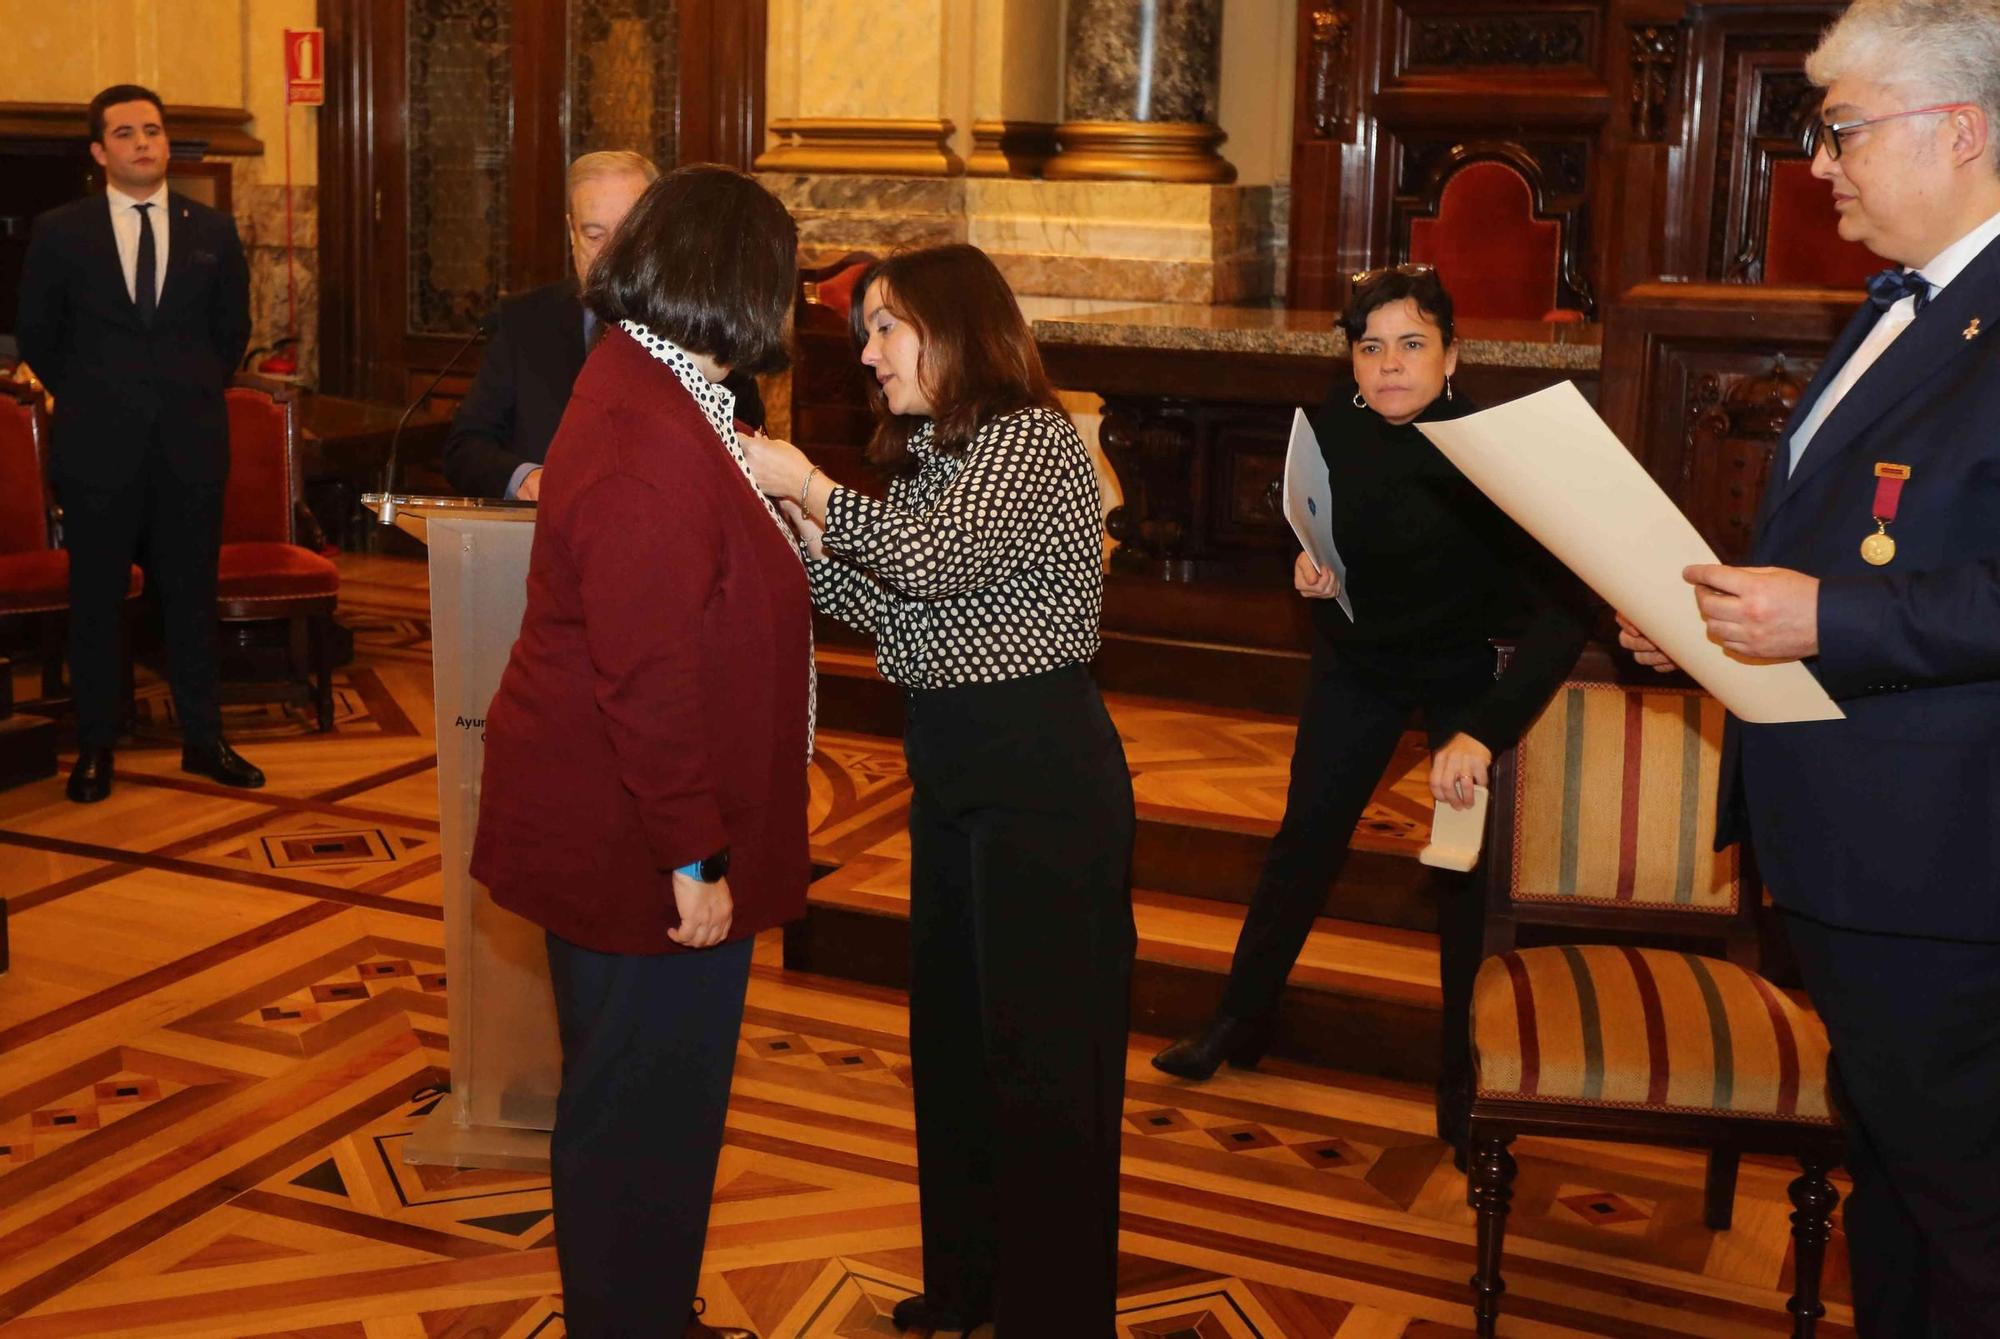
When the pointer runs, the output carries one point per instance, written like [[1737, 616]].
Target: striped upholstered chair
[[1601, 822]]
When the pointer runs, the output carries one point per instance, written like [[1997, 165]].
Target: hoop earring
[[1359, 403], [1447, 388]]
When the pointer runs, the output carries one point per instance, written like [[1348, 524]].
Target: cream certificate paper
[[1456, 835], [1548, 461]]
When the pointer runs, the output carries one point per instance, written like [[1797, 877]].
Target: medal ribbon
[[1889, 481]]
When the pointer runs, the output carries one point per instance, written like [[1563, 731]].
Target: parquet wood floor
[[226, 1012]]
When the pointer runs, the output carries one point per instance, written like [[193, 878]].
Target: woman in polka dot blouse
[[981, 577]]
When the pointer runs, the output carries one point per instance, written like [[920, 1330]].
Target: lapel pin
[[1972, 331]]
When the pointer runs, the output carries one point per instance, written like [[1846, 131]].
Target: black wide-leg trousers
[[1021, 956], [1349, 727], [648, 1049]]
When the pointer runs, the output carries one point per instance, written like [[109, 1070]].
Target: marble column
[[1140, 92]]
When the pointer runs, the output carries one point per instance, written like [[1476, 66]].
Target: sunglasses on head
[[1412, 270]]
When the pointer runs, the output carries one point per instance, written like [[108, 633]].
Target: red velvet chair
[[1802, 244], [1496, 257], [34, 570], [264, 573]]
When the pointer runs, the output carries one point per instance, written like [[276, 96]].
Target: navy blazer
[[118, 381], [517, 399], [1890, 820]]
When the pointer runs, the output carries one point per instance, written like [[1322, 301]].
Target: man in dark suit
[[134, 311], [501, 434], [1878, 565]]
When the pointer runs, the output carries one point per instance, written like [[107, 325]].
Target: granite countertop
[[1312, 334]]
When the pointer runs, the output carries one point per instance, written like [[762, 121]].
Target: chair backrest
[[24, 497], [829, 385], [1498, 259], [1603, 817], [263, 466], [1802, 244]]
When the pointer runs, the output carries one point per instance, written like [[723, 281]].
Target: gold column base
[[876, 146], [1181, 151], [1010, 148]]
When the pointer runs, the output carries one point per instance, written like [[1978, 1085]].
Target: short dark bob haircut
[[1418, 282], [114, 95], [978, 359], [708, 259]]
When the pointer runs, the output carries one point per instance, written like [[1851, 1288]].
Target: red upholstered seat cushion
[[836, 293], [37, 582], [260, 571], [1802, 244], [1496, 258]]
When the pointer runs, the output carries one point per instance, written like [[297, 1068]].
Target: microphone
[[483, 330]]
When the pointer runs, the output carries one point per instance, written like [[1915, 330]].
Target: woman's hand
[[779, 467], [809, 531], [1642, 648], [1456, 768], [1311, 582], [705, 911]]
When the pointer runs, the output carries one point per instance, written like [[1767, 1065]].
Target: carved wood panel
[[1437, 37]]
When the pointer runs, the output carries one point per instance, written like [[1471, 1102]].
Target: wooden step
[[1362, 998]]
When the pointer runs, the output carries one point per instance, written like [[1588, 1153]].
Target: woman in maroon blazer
[[644, 796]]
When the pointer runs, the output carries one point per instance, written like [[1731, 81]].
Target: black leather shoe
[[1240, 1041], [697, 1328], [218, 762], [90, 779], [920, 1313]]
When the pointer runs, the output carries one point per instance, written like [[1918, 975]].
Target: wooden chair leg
[[1813, 1200], [1719, 1200], [320, 633], [1492, 1180]]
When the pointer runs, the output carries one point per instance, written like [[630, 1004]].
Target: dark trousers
[[181, 525], [1915, 1027], [1350, 724], [648, 1047], [1021, 959]]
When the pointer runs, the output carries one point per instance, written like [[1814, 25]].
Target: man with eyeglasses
[[1877, 563]]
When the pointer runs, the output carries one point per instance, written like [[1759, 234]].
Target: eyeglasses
[[1409, 271], [1826, 134]]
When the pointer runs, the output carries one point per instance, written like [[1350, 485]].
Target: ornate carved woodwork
[[1539, 39], [1699, 380], [1557, 172], [1655, 56], [1327, 63]]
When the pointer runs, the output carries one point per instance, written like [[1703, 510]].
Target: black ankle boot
[[921, 1313], [1240, 1041]]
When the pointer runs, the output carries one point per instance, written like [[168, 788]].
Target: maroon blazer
[[654, 708]]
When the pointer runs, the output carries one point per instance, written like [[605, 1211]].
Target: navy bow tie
[[1892, 285]]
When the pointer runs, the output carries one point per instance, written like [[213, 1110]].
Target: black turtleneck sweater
[[1435, 570]]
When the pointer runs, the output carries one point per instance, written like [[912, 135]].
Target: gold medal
[[1878, 548]]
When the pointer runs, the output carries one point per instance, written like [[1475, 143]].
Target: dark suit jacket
[[509, 416], [117, 381], [1890, 820], [654, 708]]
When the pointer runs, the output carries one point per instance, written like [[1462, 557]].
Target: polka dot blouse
[[978, 568]]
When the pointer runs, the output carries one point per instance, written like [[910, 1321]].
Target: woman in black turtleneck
[[1437, 571]]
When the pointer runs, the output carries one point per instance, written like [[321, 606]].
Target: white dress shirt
[[125, 227], [1891, 323]]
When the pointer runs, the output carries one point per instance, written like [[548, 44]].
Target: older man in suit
[[502, 431], [134, 311], [1878, 564]]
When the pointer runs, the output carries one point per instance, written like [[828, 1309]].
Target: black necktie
[[1892, 285], [145, 289]]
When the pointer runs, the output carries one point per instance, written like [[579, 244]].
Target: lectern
[[506, 1061]]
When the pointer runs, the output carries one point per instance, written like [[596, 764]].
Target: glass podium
[[506, 1060]]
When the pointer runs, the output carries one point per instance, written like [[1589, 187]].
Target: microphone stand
[[485, 328]]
